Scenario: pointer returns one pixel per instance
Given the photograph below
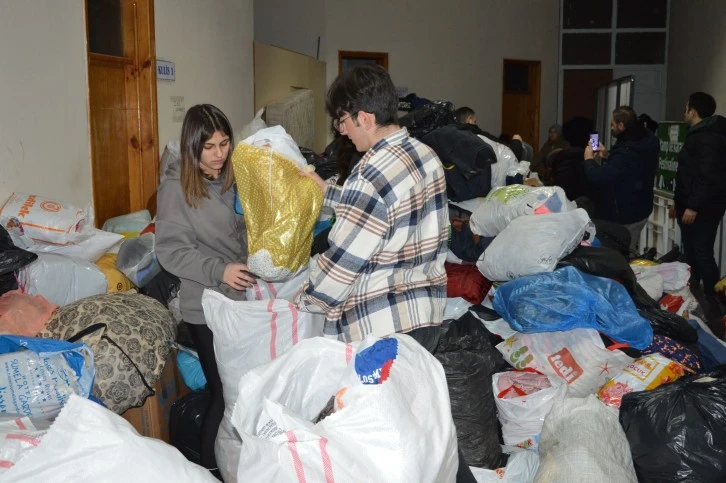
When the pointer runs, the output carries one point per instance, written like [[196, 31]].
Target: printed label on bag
[[565, 365], [269, 430], [373, 364]]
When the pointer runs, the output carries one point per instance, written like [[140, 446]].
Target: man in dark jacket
[[626, 175], [700, 192]]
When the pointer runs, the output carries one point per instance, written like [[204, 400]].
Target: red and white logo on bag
[[565, 365]]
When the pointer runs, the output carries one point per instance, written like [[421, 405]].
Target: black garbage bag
[[469, 360], [677, 432], [163, 287], [12, 259], [610, 263], [428, 117], [185, 424]]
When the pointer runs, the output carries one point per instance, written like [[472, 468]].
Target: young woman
[[201, 240]]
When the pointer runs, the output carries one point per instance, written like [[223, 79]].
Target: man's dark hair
[[366, 88], [704, 104], [462, 114], [626, 115]]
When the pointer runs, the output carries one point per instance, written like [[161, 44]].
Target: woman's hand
[[237, 276], [315, 177]]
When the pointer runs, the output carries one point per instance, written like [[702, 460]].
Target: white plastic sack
[[62, 280], [247, 334], [280, 141], [130, 223], [90, 443], [576, 356], [534, 244], [97, 243], [522, 416], [400, 430], [136, 259], [504, 204], [18, 438], [652, 283], [506, 160], [675, 274], [521, 468], [455, 308], [44, 219], [582, 440], [252, 127]]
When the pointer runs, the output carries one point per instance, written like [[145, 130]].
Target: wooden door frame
[[141, 98], [535, 89], [380, 58]]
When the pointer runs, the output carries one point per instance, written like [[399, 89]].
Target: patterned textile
[[675, 352], [130, 335], [384, 270]]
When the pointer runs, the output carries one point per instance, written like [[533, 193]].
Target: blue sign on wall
[[165, 70]]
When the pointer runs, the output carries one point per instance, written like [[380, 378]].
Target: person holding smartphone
[[626, 175]]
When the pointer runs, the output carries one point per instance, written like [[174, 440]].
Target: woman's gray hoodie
[[195, 244]]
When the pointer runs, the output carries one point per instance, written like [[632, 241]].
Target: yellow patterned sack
[[280, 210], [117, 281]]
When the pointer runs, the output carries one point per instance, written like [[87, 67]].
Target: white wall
[[44, 133], [44, 130], [691, 32], [210, 42], [452, 50], [292, 24], [440, 50]]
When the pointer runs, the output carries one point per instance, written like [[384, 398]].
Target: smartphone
[[594, 141]]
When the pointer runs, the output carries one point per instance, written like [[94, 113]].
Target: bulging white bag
[[97, 243], [87, 442], [247, 334], [521, 468], [675, 274], [578, 357], [44, 219], [534, 244], [506, 203], [62, 280], [506, 160], [398, 430], [522, 416], [582, 440]]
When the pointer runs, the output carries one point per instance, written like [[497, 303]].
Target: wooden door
[[122, 106], [520, 99]]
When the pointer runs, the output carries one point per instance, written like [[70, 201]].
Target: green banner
[[671, 136]]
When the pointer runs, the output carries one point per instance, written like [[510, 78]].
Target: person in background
[[465, 115], [626, 176], [700, 194], [201, 240], [554, 141], [649, 123]]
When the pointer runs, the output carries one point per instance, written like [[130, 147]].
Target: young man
[[384, 270], [700, 192], [627, 174]]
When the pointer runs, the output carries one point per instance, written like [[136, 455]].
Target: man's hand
[[517, 137], [237, 276], [589, 153], [315, 177], [689, 216], [672, 212], [602, 151]]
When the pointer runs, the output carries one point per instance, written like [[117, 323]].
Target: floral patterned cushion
[[130, 335]]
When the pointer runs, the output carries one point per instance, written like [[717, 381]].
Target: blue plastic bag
[[568, 299], [38, 376], [191, 371]]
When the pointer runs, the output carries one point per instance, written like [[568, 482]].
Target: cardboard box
[[152, 419]]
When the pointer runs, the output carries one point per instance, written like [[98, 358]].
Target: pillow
[[130, 335]]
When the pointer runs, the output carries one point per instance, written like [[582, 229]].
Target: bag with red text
[[576, 356]]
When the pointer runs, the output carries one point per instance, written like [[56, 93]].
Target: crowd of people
[[383, 271]]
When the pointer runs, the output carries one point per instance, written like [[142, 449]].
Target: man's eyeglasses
[[339, 122]]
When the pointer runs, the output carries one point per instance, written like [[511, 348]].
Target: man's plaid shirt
[[384, 270]]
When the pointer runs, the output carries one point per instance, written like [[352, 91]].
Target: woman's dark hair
[[200, 124]]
